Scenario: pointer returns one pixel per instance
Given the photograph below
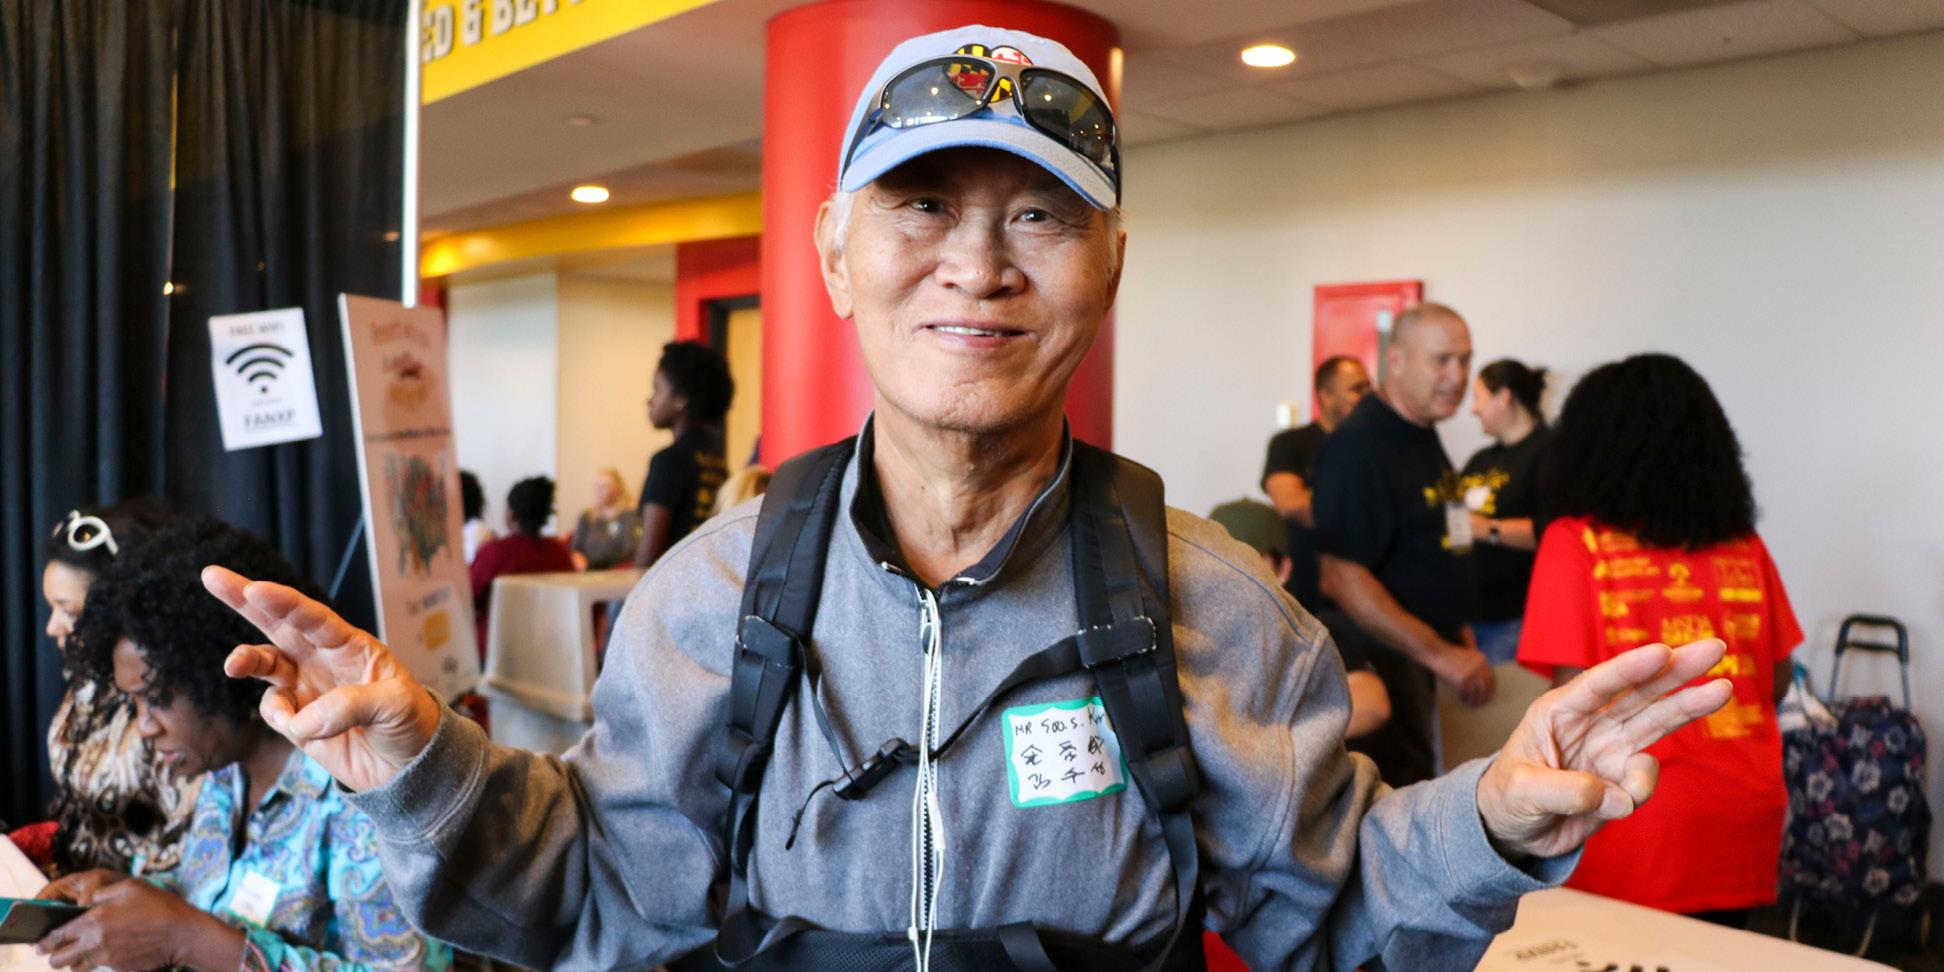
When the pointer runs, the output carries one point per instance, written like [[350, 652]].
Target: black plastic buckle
[[859, 781]]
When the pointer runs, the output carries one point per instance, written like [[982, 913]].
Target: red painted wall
[[712, 270]]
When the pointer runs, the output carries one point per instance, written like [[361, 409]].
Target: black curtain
[[287, 144], [287, 193], [84, 196]]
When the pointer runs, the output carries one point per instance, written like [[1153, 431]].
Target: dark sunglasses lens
[[1067, 111], [936, 92]]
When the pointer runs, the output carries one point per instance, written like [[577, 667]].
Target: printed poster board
[[408, 473]]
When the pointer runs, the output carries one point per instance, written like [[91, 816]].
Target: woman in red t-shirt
[[1655, 542], [529, 505]]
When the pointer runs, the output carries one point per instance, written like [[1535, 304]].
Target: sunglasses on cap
[[959, 85], [84, 533]]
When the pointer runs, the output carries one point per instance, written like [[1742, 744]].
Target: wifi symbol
[[259, 364]]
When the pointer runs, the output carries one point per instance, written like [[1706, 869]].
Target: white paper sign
[[266, 392], [1061, 752]]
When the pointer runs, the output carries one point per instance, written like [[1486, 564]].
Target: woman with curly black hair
[[113, 805], [693, 389], [1655, 541], [277, 872]]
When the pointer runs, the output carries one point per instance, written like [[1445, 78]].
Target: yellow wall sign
[[466, 43]]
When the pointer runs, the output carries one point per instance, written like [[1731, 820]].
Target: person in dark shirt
[[1394, 539], [1501, 484], [1341, 382], [693, 390], [529, 505]]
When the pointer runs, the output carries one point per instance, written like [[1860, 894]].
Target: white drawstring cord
[[926, 818]]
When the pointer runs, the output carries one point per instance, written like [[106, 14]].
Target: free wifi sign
[[265, 390]]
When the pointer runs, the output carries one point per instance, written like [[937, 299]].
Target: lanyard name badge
[[1458, 527]]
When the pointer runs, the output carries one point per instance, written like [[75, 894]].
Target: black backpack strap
[[1120, 573], [779, 609]]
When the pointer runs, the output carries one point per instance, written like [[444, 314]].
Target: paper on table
[[19, 878]]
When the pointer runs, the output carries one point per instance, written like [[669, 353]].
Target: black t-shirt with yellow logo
[[1502, 482], [683, 479]]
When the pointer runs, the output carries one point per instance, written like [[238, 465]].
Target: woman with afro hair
[[1655, 542], [277, 871]]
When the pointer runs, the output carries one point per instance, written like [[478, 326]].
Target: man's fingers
[[1677, 710], [1640, 777], [334, 712], [1688, 662], [278, 707], [1570, 793], [261, 661], [1636, 671]]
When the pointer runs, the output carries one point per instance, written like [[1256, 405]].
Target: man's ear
[[1120, 263], [830, 261]]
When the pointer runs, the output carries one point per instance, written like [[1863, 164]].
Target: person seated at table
[[114, 805], [1265, 531], [277, 872], [475, 531], [529, 505], [1656, 542], [607, 532]]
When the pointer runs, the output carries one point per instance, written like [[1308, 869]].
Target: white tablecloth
[[1563, 930]]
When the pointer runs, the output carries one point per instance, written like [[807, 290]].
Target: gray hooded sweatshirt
[[605, 858]]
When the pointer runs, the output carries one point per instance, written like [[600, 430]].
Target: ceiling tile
[[1234, 108], [1315, 54], [1167, 24], [1437, 26], [1139, 129], [1881, 18], [1153, 77], [1577, 56], [1369, 87], [1725, 33]]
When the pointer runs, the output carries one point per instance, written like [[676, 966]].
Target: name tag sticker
[[255, 898], [1062, 752], [1458, 526]]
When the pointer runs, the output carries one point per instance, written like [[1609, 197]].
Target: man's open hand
[[335, 691], [1576, 760]]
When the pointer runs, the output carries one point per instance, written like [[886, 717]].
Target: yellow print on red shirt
[[1613, 604], [1681, 589], [1609, 542], [1740, 579], [1744, 627], [1736, 720], [1625, 568], [1683, 628]]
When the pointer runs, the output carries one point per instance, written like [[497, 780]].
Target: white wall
[[611, 336], [1774, 222], [504, 378]]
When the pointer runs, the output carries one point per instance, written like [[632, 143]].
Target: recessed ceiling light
[[589, 194], [580, 121], [1268, 56]]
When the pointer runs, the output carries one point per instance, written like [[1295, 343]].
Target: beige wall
[[502, 348], [551, 375], [611, 335], [1775, 222]]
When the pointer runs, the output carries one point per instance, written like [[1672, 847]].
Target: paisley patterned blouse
[[298, 875], [116, 805]]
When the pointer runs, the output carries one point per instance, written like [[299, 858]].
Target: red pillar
[[708, 270], [815, 388]]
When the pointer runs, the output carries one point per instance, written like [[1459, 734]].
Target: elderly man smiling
[[733, 787]]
